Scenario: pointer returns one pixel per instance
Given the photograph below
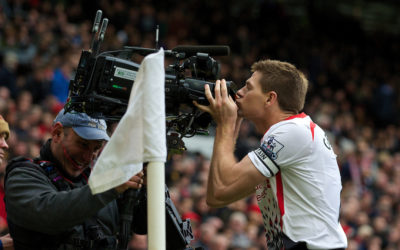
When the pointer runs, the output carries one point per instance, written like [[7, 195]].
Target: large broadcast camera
[[102, 86], [103, 83]]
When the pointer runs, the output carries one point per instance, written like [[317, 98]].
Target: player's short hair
[[286, 80]]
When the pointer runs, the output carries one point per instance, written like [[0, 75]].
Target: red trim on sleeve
[[312, 126], [279, 195]]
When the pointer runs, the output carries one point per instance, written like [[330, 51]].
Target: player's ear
[[271, 97]]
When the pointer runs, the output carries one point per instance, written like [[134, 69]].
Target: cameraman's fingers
[[129, 184], [135, 182], [132, 185], [140, 174], [136, 179]]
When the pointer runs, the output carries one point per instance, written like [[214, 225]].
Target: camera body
[[103, 83], [102, 86]]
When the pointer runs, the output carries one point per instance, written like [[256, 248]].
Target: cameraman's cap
[[85, 126]]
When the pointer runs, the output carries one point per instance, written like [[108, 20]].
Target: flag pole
[[156, 206]]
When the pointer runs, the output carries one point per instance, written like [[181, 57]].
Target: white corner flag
[[140, 135]]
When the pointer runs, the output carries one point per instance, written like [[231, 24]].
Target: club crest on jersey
[[271, 147]]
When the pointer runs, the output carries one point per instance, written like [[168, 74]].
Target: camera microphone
[[211, 50], [97, 20], [103, 29], [95, 28]]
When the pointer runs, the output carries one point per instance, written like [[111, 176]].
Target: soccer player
[[294, 171]]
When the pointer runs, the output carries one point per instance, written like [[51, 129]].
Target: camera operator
[[50, 205], [294, 171]]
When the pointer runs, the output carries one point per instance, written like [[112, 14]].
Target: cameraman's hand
[[222, 108], [135, 182]]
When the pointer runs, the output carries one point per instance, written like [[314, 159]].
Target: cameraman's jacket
[[43, 214]]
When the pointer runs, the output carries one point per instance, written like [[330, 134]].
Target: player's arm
[[230, 181]]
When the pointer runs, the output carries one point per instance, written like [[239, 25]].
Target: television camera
[[101, 88], [103, 83]]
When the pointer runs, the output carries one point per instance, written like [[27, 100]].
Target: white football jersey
[[301, 195]]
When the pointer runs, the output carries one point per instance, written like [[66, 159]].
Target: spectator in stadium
[[4, 134], [8, 76], [294, 171], [6, 241], [55, 209]]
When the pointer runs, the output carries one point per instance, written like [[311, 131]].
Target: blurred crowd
[[353, 96]]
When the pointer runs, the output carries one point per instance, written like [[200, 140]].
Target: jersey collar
[[301, 115]]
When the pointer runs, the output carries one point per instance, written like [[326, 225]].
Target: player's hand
[[222, 107], [135, 182]]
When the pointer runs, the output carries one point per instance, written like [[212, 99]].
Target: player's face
[[250, 98]]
